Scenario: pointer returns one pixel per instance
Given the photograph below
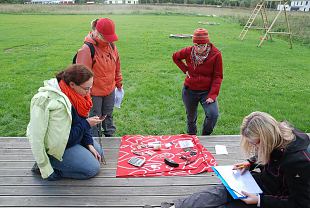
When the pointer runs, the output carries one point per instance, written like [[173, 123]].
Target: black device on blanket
[[171, 163]]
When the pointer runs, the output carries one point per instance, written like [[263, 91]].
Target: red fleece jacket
[[206, 76]]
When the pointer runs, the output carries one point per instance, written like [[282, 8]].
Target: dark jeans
[[212, 197], [191, 98], [104, 105]]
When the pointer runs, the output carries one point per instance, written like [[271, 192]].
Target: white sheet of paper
[[186, 143], [119, 95], [238, 182], [220, 150]]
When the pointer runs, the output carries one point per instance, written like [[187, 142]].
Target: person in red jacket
[[202, 64], [107, 72]]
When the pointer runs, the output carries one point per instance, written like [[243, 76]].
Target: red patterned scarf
[[198, 59], [82, 104]]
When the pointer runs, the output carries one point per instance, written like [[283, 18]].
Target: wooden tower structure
[[260, 8]]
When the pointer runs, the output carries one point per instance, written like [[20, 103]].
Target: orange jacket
[[105, 65]]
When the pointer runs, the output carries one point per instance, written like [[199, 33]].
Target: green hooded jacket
[[49, 127]]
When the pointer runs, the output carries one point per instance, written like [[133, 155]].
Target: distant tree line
[[237, 3]]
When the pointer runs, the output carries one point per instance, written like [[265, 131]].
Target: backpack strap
[[92, 49], [92, 53], [112, 46]]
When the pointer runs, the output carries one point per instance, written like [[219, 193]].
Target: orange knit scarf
[[82, 104]]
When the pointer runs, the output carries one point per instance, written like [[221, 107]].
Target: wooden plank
[[113, 145], [117, 139], [97, 191], [230, 149], [76, 201], [111, 155], [28, 164], [112, 182]]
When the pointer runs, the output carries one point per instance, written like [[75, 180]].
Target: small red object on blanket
[[198, 160]]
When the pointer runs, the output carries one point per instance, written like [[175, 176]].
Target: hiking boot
[[35, 169]]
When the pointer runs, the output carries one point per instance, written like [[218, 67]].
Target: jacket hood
[[301, 142], [51, 85], [89, 38]]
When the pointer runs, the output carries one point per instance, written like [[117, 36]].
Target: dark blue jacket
[[80, 131]]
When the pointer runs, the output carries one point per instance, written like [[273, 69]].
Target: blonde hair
[[93, 24], [268, 134]]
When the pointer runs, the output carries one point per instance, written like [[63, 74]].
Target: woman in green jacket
[[59, 130]]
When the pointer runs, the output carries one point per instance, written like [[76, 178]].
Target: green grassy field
[[273, 78]]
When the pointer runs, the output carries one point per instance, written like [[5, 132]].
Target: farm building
[[122, 1], [297, 6], [52, 1], [300, 6]]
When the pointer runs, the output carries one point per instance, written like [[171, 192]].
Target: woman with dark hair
[[59, 130]]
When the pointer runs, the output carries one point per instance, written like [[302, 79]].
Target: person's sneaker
[[35, 169], [166, 205]]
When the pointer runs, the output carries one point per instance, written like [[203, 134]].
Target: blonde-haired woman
[[282, 155]]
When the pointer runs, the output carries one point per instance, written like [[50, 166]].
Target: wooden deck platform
[[19, 187]]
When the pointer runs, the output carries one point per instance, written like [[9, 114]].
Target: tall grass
[[273, 78], [299, 21]]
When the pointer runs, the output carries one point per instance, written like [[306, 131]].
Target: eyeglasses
[[87, 89], [200, 45]]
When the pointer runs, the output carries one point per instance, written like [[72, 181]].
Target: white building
[[300, 6], [281, 7], [52, 1], [122, 1]]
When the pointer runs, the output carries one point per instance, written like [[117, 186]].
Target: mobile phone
[[102, 117], [135, 161]]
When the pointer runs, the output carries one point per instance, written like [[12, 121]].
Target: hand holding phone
[[102, 117]]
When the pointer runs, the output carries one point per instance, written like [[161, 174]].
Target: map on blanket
[[186, 151]]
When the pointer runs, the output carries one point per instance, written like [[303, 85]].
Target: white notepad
[[235, 182]]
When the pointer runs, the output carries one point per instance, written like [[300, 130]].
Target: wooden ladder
[[269, 32], [250, 21], [265, 20]]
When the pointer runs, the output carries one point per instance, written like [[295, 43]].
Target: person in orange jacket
[[105, 64]]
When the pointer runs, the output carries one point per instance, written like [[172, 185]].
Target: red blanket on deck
[[193, 160]]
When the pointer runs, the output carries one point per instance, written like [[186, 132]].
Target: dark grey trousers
[[104, 105], [212, 197], [191, 98]]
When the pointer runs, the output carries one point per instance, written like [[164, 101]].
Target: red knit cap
[[106, 28], [201, 36]]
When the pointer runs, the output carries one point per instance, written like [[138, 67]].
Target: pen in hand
[[242, 167]]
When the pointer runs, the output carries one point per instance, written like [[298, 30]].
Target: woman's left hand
[[251, 198], [209, 100], [94, 152]]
